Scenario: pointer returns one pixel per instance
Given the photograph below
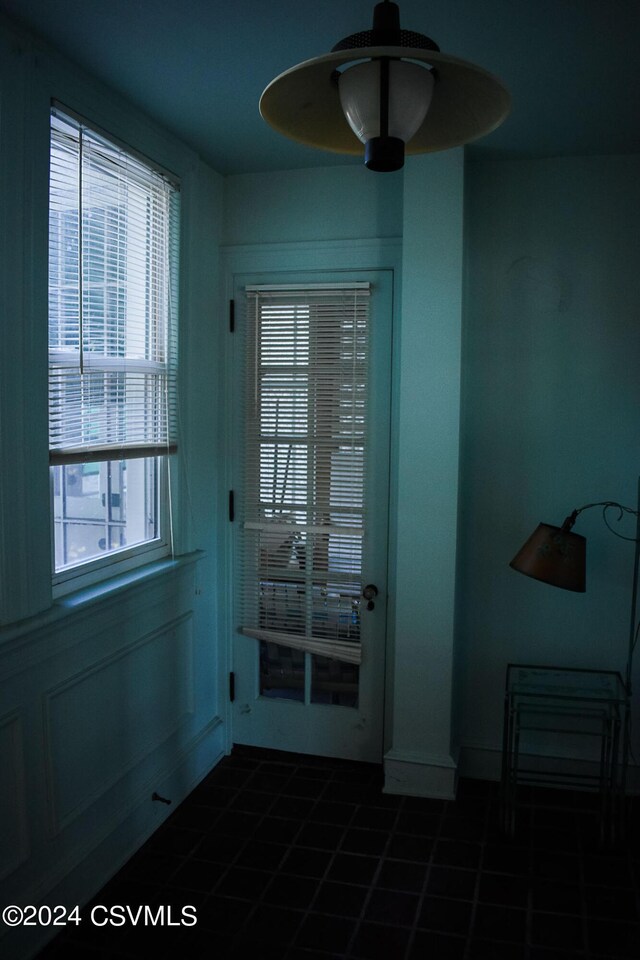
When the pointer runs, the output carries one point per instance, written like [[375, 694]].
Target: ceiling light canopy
[[384, 92]]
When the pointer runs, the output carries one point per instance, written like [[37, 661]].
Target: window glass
[[102, 507], [113, 234]]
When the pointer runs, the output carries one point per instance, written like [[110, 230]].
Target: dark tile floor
[[289, 857]]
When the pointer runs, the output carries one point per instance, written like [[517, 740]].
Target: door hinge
[[232, 687], [232, 506], [232, 316]]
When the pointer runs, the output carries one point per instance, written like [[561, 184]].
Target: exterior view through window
[[113, 231]]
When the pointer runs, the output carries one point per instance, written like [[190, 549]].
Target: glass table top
[[565, 684]]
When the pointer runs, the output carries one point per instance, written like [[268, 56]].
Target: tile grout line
[[323, 877], [476, 890], [376, 874], [425, 882], [258, 900]]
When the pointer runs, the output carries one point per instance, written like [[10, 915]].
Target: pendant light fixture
[[384, 92]]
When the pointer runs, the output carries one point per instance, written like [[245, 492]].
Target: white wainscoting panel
[[104, 720], [14, 842]]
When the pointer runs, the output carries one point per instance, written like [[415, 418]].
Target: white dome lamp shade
[[385, 92], [385, 101]]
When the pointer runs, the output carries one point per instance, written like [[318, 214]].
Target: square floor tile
[[375, 941], [560, 867], [224, 915], [391, 906], [506, 858], [246, 884], [306, 863], [557, 930], [502, 889], [402, 847], [499, 923], [400, 875], [287, 890], [495, 950], [446, 916], [614, 939], [374, 818], [422, 824], [364, 841], [262, 856], [271, 924], [352, 868], [278, 829], [192, 875], [451, 882], [555, 897], [327, 811], [320, 836], [427, 945], [341, 899], [236, 823], [611, 903], [461, 828], [292, 808], [457, 853], [321, 932]]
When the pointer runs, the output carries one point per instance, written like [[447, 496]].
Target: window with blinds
[[304, 503], [113, 293]]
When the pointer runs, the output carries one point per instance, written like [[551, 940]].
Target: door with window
[[311, 505]]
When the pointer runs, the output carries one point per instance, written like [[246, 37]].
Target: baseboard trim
[[420, 775], [479, 762]]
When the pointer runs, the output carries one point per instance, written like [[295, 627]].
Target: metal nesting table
[[565, 727]]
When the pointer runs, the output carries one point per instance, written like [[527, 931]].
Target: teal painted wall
[[550, 415], [108, 694], [425, 463], [325, 203]]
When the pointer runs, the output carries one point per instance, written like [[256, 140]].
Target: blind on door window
[[113, 295], [304, 504]]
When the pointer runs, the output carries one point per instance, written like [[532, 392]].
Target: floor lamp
[[557, 556]]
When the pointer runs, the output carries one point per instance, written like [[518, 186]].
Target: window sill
[[122, 581], [86, 597]]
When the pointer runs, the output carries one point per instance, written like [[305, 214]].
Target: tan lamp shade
[[554, 555]]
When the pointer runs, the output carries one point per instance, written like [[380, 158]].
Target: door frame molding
[[322, 256]]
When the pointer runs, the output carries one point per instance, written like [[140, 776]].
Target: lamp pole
[[634, 598], [626, 745]]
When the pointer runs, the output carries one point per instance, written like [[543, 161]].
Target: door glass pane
[[336, 611], [334, 682], [304, 507], [281, 672]]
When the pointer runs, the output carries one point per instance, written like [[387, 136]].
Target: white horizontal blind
[[113, 261], [304, 507]]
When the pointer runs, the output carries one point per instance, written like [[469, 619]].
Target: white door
[[311, 505]]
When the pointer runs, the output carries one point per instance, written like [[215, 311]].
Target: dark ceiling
[[199, 66]]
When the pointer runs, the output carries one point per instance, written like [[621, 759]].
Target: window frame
[[88, 572], [121, 560]]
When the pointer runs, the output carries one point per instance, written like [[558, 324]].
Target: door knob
[[369, 592]]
